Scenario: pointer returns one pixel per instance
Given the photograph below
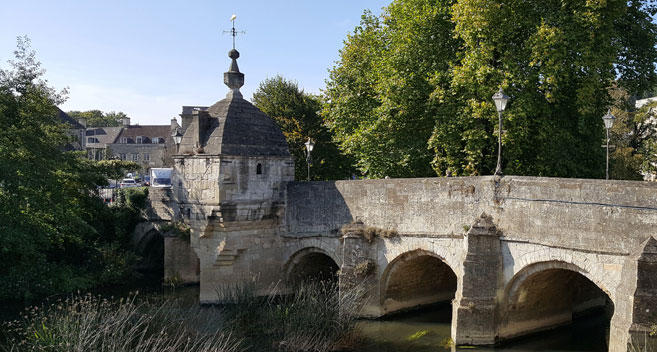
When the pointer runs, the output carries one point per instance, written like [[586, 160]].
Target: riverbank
[[309, 320]]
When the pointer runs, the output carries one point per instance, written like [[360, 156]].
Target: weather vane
[[233, 32]]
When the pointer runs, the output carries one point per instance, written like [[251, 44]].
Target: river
[[428, 329]]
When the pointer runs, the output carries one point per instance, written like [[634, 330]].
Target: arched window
[[259, 169]]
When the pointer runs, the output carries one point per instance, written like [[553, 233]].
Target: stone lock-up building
[[515, 255]]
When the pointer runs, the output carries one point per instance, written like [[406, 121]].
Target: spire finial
[[234, 32], [234, 79]]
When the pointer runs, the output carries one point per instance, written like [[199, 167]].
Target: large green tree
[[378, 96], [296, 113], [51, 224], [413, 88]]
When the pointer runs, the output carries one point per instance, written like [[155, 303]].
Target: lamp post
[[309, 148], [177, 138], [609, 122], [500, 100]]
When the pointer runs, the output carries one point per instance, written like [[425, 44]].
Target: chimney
[[126, 121], [82, 121], [174, 124]]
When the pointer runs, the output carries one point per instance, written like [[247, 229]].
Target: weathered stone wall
[[233, 205], [181, 264], [605, 216]]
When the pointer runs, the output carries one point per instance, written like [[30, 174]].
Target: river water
[[428, 329]]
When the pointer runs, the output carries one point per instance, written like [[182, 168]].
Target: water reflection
[[428, 330]]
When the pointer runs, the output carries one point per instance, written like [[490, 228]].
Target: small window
[[123, 156], [156, 140], [135, 157], [90, 140], [147, 157], [123, 140], [140, 139], [259, 169]]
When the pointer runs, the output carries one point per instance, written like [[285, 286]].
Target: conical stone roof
[[236, 127]]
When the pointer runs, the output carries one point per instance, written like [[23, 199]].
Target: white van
[[161, 177]]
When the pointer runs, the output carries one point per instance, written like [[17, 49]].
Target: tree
[[634, 135], [296, 113], [423, 75], [378, 95], [50, 220], [97, 118]]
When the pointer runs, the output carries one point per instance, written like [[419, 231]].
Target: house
[[148, 145]]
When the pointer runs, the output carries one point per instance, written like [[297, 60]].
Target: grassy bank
[[316, 318]]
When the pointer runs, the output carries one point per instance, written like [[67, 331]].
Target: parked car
[[128, 182]]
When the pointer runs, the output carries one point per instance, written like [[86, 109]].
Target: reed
[[90, 323]]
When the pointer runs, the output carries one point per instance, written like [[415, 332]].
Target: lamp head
[[500, 100], [309, 145], [177, 136], [608, 119]]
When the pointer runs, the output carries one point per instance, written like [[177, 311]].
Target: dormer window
[[156, 140], [140, 139], [123, 140]]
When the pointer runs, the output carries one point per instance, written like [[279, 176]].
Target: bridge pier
[[473, 317], [636, 301]]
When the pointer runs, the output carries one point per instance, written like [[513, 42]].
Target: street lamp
[[177, 138], [500, 100], [309, 148], [609, 122]]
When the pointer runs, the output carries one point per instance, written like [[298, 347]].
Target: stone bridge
[[514, 255]]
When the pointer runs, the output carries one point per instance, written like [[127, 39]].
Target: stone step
[[223, 262], [232, 252]]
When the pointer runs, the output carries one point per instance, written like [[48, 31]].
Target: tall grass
[[89, 323], [317, 317]]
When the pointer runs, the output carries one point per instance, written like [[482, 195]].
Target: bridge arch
[[310, 263], [548, 294], [415, 278], [587, 265]]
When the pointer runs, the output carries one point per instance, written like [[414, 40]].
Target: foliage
[[422, 76], [634, 138], [55, 234], [296, 113], [97, 118], [317, 317], [357, 228], [178, 229], [88, 323]]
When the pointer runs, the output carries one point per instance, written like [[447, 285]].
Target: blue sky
[[148, 58]]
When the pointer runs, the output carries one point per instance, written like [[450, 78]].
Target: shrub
[[357, 228]]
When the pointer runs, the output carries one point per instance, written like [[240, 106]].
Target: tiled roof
[[68, 120], [102, 135], [147, 132]]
